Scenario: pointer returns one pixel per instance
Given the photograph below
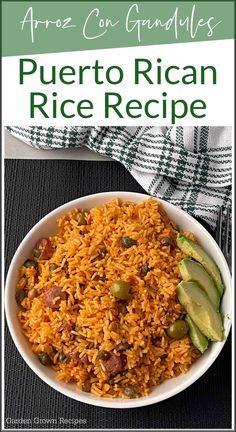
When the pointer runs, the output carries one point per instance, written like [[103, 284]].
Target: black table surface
[[34, 188]]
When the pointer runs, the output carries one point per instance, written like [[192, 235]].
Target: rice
[[91, 319]]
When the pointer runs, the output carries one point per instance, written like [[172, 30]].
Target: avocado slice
[[201, 310], [197, 337], [192, 271], [193, 249]]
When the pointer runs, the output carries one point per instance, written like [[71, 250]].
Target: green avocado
[[197, 337], [201, 310], [192, 271], [193, 249]]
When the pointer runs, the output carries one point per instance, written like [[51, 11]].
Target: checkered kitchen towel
[[187, 166]]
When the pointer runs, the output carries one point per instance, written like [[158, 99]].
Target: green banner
[[46, 27]]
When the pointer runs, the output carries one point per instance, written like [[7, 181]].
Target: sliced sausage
[[74, 354], [87, 386], [113, 364], [50, 294], [45, 248], [65, 326], [85, 359]]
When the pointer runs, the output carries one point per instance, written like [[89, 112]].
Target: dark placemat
[[34, 188]]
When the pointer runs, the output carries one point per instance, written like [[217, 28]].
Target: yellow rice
[[91, 309]]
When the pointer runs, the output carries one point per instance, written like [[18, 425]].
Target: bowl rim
[[81, 396]]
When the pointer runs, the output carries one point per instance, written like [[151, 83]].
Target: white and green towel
[[190, 167]]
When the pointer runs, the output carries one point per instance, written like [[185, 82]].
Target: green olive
[[130, 391], [30, 263], [53, 267], [120, 289], [178, 329], [20, 296], [82, 219], [44, 359], [127, 242]]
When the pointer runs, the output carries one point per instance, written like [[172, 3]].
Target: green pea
[[103, 355], [124, 346], [53, 267], [120, 289], [62, 357], [130, 391], [82, 219], [30, 263], [44, 359], [20, 296], [36, 252], [178, 329], [127, 242], [144, 269]]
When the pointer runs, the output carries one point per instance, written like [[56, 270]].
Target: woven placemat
[[34, 188]]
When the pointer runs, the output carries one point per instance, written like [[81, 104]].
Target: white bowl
[[46, 227]]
